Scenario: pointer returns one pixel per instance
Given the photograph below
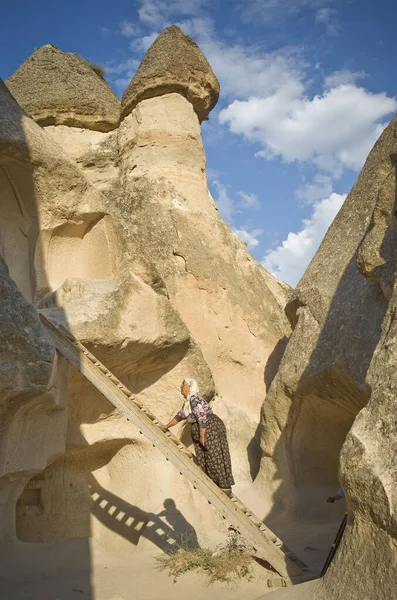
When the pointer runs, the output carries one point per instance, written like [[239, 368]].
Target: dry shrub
[[98, 69], [228, 563]]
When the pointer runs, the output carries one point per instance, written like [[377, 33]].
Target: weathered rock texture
[[365, 563], [32, 381], [58, 88], [115, 234], [337, 313], [131, 255], [221, 293], [174, 63]]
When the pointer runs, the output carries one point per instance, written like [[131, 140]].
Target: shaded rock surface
[[365, 563], [32, 399], [174, 63], [60, 88], [336, 312]]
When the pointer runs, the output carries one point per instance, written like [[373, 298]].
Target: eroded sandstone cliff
[[345, 312], [132, 256]]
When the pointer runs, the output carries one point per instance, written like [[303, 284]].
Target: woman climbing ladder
[[208, 435]]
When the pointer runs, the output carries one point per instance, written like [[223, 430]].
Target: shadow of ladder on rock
[[263, 543]]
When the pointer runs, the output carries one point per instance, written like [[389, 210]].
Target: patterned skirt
[[214, 457]]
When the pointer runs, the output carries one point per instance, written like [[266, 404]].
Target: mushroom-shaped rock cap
[[60, 88], [173, 63]]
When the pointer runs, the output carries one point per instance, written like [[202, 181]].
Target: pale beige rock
[[365, 563], [83, 262], [337, 314], [149, 277], [95, 152], [162, 138], [174, 63], [60, 88], [219, 290], [33, 381], [33, 388]]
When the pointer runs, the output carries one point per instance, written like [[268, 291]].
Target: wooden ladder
[[264, 543]]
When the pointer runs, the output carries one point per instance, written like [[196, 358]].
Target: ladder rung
[[113, 378]]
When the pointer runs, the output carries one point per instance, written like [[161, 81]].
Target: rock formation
[[58, 88], [109, 228], [365, 563], [174, 64], [32, 380], [336, 314], [133, 258]]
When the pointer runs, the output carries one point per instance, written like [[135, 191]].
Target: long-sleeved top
[[200, 411]]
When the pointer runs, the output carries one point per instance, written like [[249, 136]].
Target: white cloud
[[272, 11], [129, 29], [143, 43], [327, 16], [105, 31], [344, 76], [321, 187], [244, 70], [121, 74], [121, 83], [248, 200], [156, 13], [289, 260], [226, 206], [127, 67], [249, 236], [334, 131], [229, 208], [323, 15]]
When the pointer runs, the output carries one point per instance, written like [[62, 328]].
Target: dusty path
[[81, 570]]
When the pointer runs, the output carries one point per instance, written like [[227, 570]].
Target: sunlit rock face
[[128, 251]]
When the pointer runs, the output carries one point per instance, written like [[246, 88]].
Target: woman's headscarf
[[193, 389]]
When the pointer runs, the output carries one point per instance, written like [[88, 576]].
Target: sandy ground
[[81, 570], [310, 538]]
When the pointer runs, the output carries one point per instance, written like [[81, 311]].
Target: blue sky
[[306, 88]]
